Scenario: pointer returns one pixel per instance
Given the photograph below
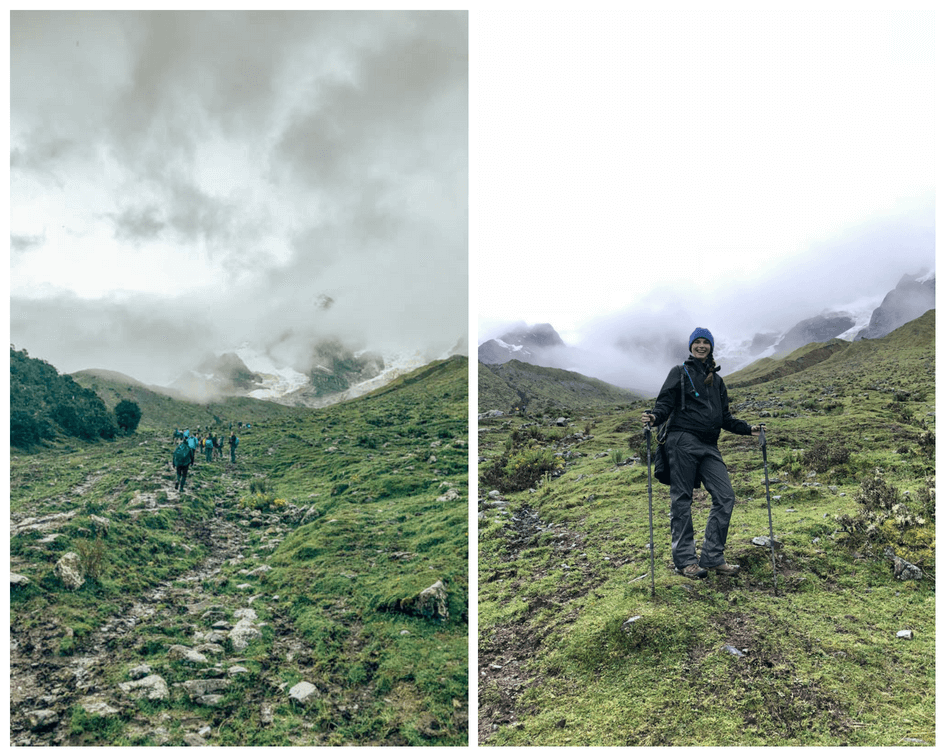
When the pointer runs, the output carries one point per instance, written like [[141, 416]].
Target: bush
[[128, 415], [91, 557], [886, 519], [521, 470], [822, 456]]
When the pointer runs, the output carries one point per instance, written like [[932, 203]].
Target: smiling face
[[700, 348]]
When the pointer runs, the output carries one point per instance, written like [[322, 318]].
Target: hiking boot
[[693, 572], [726, 569]]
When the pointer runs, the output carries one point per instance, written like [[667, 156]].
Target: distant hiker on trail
[[218, 446], [692, 448], [208, 448], [234, 442], [192, 443], [183, 456]]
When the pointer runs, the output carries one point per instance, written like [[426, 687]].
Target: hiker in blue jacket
[[192, 443], [692, 448]]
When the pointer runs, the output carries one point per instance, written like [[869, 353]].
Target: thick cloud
[[247, 164]]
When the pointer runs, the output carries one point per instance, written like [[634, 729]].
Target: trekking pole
[[764, 454], [649, 490]]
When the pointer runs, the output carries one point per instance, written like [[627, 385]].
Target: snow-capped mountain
[[631, 356], [334, 373]]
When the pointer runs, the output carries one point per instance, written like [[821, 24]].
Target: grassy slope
[[162, 412], [368, 468], [823, 663], [544, 389]]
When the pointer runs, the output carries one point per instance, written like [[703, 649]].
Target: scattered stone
[[451, 495], [42, 719], [245, 613], [199, 688], [102, 522], [904, 634], [214, 649], [237, 670], [136, 673], [205, 731], [561, 422], [432, 602], [765, 541], [243, 634], [628, 625], [405, 632], [303, 692], [194, 740], [152, 688], [266, 716], [186, 654], [18, 579], [904, 570], [69, 570], [732, 650], [98, 707]]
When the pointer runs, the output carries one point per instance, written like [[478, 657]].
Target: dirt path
[[106, 675]]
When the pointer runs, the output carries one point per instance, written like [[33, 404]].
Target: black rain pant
[[688, 457], [181, 477]]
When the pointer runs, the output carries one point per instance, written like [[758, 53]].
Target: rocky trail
[[158, 671]]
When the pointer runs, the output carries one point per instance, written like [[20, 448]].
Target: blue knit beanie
[[702, 333]]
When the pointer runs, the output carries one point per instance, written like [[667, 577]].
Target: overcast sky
[[755, 167], [186, 181]]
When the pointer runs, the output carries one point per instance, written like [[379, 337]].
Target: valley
[[313, 593]]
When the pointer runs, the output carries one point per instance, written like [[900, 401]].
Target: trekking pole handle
[[762, 441]]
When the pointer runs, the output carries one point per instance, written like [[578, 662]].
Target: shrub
[[91, 557], [822, 456], [128, 415], [521, 470], [885, 519]]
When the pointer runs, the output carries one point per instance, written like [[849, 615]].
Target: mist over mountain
[[636, 348]]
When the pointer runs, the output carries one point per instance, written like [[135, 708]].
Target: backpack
[[182, 455], [661, 467], [208, 443]]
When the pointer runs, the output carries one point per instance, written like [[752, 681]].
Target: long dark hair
[[711, 369]]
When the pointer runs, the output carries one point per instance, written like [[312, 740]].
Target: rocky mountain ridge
[[869, 317]]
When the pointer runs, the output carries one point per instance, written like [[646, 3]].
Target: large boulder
[[69, 570]]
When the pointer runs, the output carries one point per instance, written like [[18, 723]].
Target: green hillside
[[305, 563], [162, 411], [573, 649], [540, 390]]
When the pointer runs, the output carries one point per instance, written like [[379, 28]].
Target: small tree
[[128, 415]]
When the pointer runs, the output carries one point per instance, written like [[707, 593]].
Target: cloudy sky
[[187, 181], [751, 168]]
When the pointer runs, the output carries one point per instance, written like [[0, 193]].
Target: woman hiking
[[692, 448]]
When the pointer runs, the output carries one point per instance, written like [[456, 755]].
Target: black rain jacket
[[705, 415]]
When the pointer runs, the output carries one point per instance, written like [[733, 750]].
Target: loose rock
[[303, 692], [69, 570]]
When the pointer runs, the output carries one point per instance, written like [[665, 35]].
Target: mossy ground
[[563, 568]]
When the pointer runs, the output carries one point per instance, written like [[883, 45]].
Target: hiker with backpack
[[181, 459], [694, 397], [208, 448], [234, 441], [192, 443]]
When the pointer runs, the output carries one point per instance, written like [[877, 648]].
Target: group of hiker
[[185, 454]]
